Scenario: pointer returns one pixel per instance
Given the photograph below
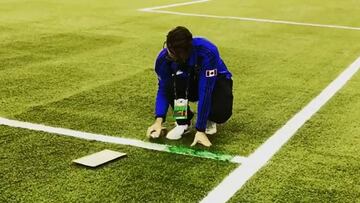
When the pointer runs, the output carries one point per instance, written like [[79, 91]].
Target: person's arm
[[162, 71], [161, 103], [207, 79]]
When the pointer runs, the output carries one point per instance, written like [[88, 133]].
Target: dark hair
[[179, 39]]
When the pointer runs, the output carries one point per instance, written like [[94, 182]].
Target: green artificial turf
[[321, 163], [315, 11], [37, 167], [88, 65]]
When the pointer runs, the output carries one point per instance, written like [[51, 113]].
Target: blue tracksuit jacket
[[204, 55]]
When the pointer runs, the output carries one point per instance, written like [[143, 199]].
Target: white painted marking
[[236, 179], [156, 10], [239, 159], [82, 135], [96, 137], [172, 5]]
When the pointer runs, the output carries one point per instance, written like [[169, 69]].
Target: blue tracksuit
[[205, 56]]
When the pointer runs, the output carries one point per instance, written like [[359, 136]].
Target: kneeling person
[[190, 69]]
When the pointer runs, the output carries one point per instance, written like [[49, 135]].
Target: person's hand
[[201, 138], [154, 131]]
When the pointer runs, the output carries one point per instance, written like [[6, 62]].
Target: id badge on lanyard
[[180, 108], [181, 104]]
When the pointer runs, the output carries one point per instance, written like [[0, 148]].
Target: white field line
[[96, 137], [172, 5], [236, 179], [156, 10]]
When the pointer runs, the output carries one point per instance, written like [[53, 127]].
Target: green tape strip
[[200, 153]]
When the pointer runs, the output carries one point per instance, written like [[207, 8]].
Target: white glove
[[154, 131], [201, 138]]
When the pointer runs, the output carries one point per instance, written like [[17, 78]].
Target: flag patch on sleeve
[[211, 73]]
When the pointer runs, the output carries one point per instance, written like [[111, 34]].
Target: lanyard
[[187, 82], [188, 69]]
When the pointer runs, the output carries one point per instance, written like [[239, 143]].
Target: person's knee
[[221, 117], [221, 114]]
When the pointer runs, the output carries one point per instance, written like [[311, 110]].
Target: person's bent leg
[[222, 101]]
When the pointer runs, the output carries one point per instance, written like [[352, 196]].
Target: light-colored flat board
[[99, 158]]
